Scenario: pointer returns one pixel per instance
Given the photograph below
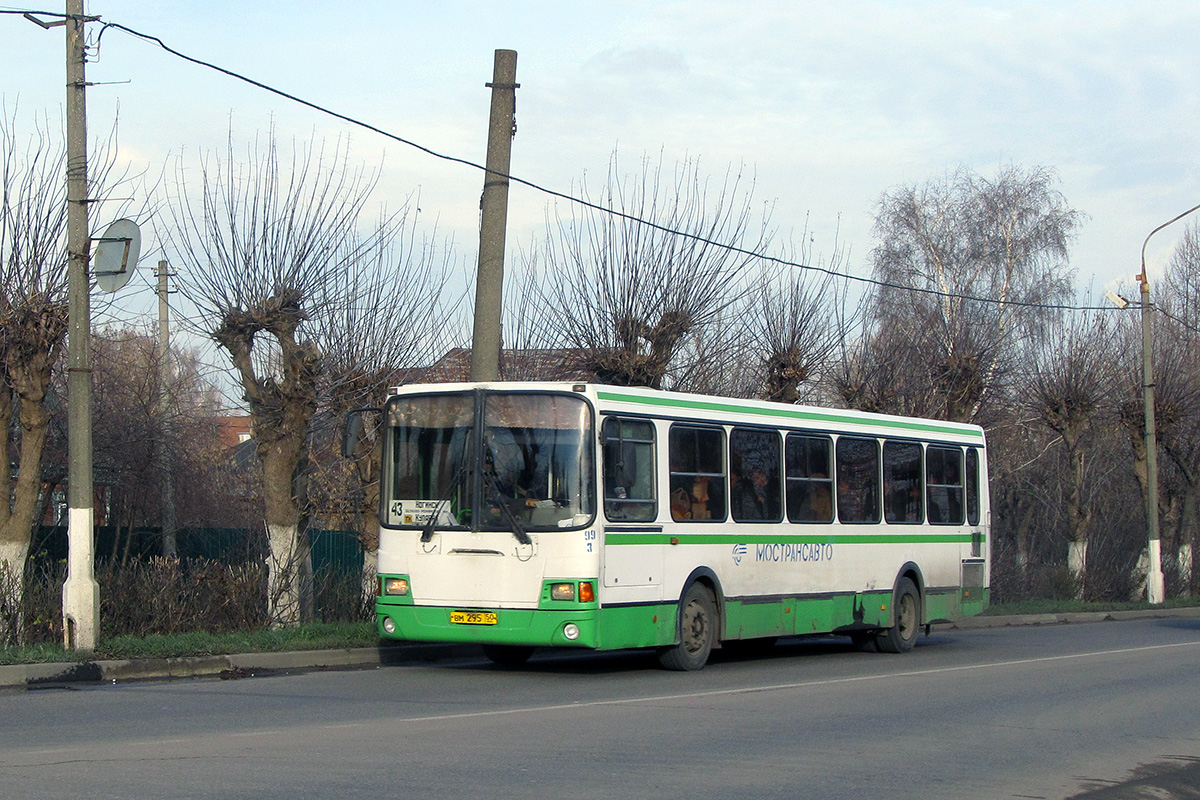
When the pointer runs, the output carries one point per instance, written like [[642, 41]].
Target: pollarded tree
[[940, 245], [33, 321], [1072, 377], [778, 341], [378, 323], [273, 254], [625, 295], [1176, 341]]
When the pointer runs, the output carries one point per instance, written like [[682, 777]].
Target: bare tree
[[130, 429], [33, 315], [384, 320], [276, 255], [1071, 378], [626, 295], [940, 245], [1176, 354]]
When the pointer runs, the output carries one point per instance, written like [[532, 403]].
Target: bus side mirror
[[350, 433], [353, 428]]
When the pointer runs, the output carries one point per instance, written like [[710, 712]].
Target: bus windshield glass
[[529, 465]]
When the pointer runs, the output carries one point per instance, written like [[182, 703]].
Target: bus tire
[[507, 655], [906, 607], [697, 631]]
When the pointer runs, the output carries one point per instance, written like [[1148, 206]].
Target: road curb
[[243, 664], [1074, 617], [233, 665]]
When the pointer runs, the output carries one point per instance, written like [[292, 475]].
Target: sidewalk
[[249, 664]]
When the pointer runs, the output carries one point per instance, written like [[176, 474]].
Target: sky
[[827, 105]]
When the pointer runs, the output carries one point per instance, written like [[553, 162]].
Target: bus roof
[[656, 402]]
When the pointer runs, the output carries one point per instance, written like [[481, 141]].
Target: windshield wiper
[[427, 531], [514, 525]]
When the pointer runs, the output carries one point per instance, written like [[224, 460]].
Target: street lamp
[[1154, 575]]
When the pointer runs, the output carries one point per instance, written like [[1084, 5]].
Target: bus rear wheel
[[697, 631], [906, 607], [507, 655]]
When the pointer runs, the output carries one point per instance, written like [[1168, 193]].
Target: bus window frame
[[889, 496], [604, 462], [679, 493], [931, 486], [877, 487], [776, 484], [827, 482]]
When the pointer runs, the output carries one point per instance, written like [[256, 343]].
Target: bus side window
[[944, 484], [697, 466], [754, 486], [809, 478], [858, 479], [629, 470], [972, 477], [902, 482]]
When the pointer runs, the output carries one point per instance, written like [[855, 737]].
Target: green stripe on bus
[[788, 413], [832, 538]]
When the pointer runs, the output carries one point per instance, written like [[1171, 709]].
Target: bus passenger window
[[857, 479], [809, 478], [697, 466], [902, 482], [629, 470], [944, 482], [972, 477], [754, 490]]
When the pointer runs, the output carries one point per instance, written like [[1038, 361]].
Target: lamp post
[[1154, 575]]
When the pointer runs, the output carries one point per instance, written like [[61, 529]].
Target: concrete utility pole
[[489, 281], [81, 593], [1155, 588], [169, 549]]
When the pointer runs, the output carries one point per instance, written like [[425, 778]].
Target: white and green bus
[[527, 515]]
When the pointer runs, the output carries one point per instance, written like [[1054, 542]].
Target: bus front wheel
[[697, 631], [906, 608]]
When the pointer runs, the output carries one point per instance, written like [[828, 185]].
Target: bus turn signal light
[[587, 593]]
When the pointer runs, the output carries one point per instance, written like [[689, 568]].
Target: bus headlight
[[562, 591], [395, 586], [571, 631]]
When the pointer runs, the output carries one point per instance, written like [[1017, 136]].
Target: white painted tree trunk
[[12, 586], [1185, 564], [1140, 572], [1077, 563], [289, 564], [370, 576]]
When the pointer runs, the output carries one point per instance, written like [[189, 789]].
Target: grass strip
[[311, 636]]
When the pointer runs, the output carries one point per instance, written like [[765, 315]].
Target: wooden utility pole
[[169, 544], [489, 281], [81, 593]]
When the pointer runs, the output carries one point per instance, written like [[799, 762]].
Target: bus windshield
[[506, 461]]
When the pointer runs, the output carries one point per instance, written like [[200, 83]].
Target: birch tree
[[941, 244]]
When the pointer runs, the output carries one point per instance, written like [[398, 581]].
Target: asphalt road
[[1097, 711]]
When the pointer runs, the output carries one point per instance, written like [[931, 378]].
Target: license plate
[[474, 617]]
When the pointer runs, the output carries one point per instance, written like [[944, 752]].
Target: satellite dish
[[116, 255]]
